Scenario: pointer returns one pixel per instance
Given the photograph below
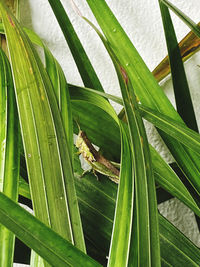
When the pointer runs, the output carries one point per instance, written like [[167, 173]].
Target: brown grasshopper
[[97, 162]]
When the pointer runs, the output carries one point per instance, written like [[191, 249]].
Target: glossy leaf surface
[[52, 247], [43, 136]]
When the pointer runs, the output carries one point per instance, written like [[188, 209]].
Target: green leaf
[[10, 153], [24, 189], [145, 195], [78, 94], [36, 260], [88, 94], [145, 217], [80, 110], [180, 84], [181, 250], [189, 45], [147, 90], [47, 243], [164, 175], [168, 180], [13, 5], [60, 87], [1, 28], [97, 206], [122, 227], [177, 130], [84, 66], [52, 189], [191, 24]]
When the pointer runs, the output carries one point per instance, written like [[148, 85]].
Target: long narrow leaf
[[144, 190], [177, 130], [10, 153], [191, 24], [147, 90], [145, 196], [122, 228], [97, 206], [13, 5], [79, 111], [60, 86], [84, 66], [180, 84], [52, 247], [24, 189], [45, 144], [166, 178], [189, 45], [181, 250], [164, 175]]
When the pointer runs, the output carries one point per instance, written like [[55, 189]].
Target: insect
[[97, 162]]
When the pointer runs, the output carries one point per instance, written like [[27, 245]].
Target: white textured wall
[[142, 22]]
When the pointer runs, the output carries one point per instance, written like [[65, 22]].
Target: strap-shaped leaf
[[24, 189], [61, 90], [189, 45], [177, 130], [13, 5], [47, 243], [10, 153], [84, 66], [97, 206], [47, 156], [146, 88], [145, 218], [145, 196], [180, 84], [191, 24], [176, 249], [164, 175], [122, 227]]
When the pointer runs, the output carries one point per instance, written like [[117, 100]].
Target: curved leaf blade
[[84, 66], [47, 243], [191, 24], [147, 90], [177, 130], [44, 138], [98, 212], [122, 226], [146, 205], [181, 250], [189, 45], [10, 153], [164, 175], [61, 90], [180, 84]]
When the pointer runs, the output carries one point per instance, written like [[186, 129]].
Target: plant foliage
[[82, 221]]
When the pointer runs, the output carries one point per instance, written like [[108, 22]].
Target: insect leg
[[95, 174]]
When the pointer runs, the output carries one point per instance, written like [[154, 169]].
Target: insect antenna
[[77, 123]]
